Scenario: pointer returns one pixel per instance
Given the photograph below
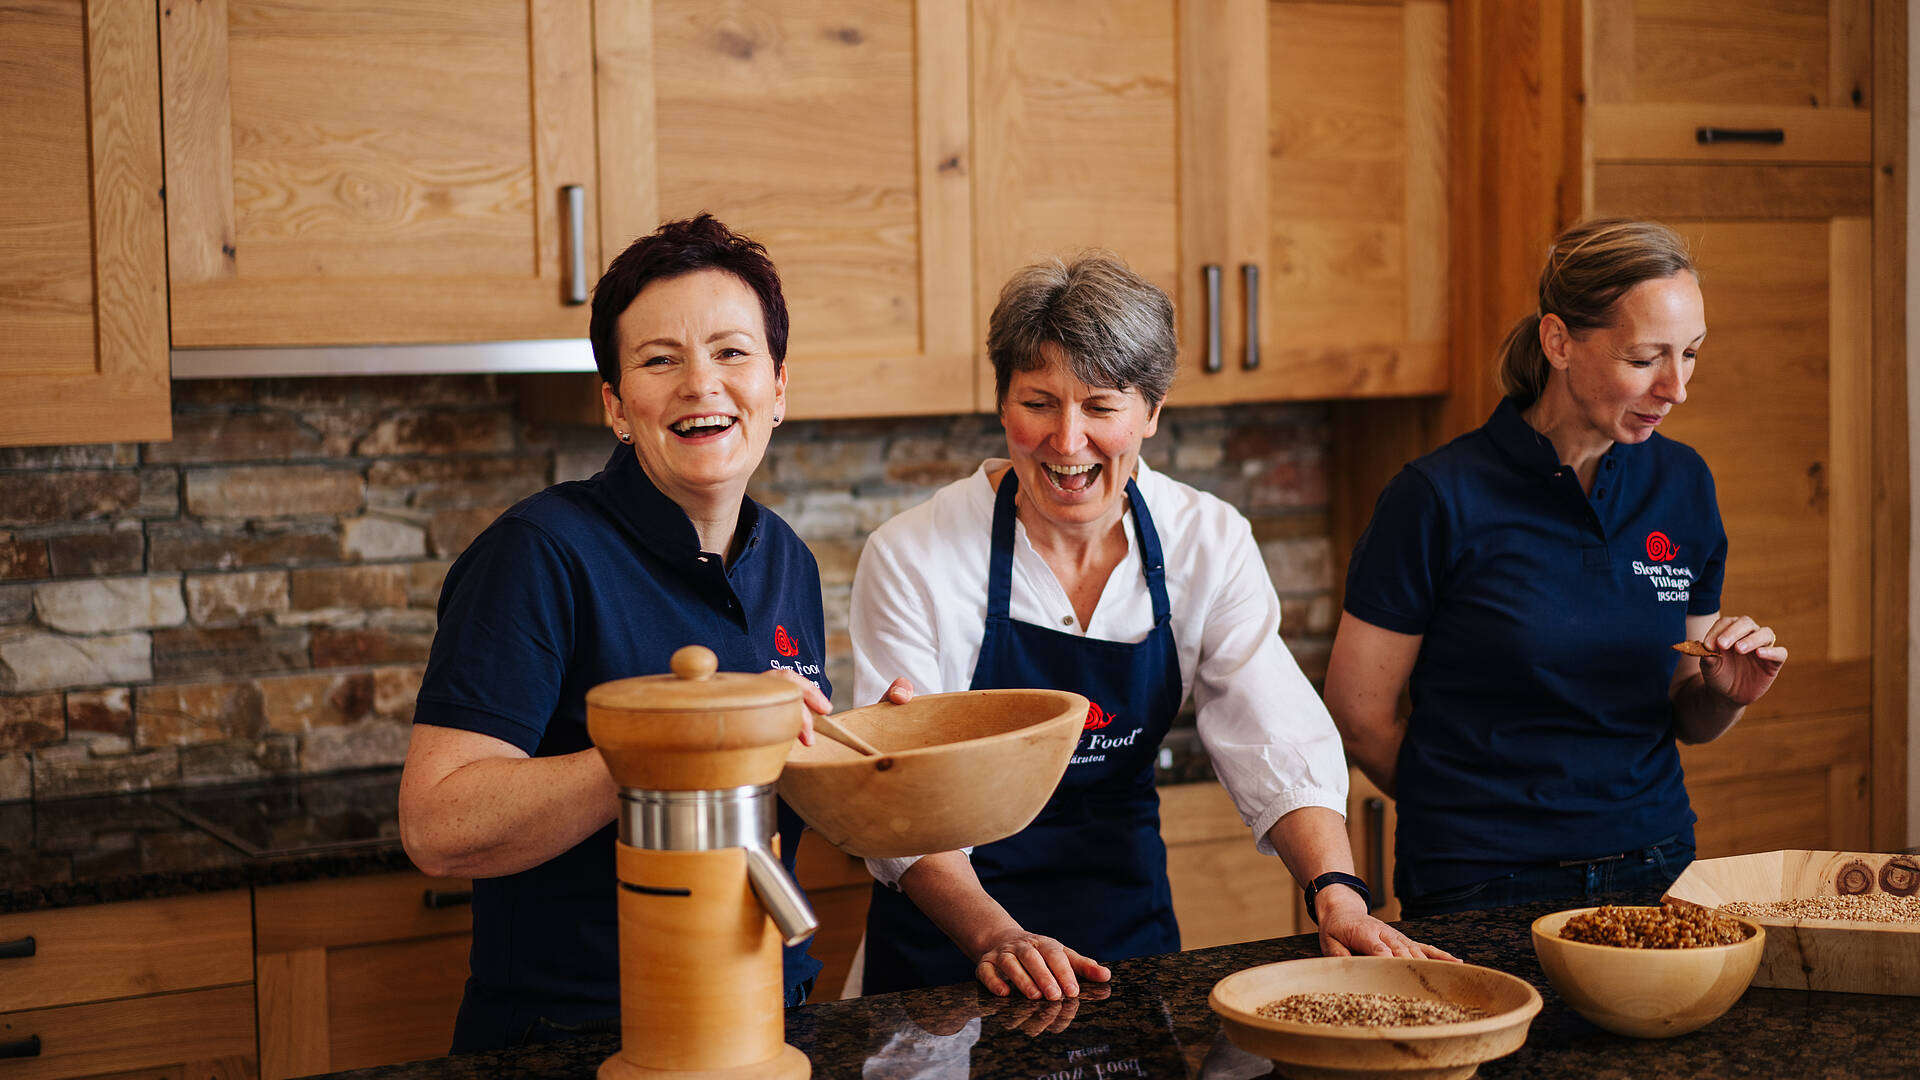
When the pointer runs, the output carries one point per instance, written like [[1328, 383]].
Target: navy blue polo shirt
[[585, 582], [1541, 727]]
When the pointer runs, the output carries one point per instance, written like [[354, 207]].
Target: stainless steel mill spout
[[743, 817]]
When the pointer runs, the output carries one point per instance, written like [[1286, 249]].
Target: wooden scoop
[[832, 729]]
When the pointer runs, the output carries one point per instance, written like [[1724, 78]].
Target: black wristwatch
[[1334, 877]]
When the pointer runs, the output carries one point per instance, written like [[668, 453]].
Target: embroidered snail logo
[[1097, 717], [783, 644], [1659, 548]]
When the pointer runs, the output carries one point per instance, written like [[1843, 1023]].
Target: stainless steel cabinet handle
[[1250, 274], [21, 1048], [445, 898], [18, 949], [1212, 272], [576, 243]]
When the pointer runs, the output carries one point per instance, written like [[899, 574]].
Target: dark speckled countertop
[[1153, 1021], [97, 850]]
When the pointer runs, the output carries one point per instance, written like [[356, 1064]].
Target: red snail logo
[[1097, 717], [1659, 548], [783, 644]]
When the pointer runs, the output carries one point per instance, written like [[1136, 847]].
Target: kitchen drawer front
[[359, 911], [199, 1033], [118, 950]]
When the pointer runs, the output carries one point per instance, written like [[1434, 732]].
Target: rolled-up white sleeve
[[1269, 736]]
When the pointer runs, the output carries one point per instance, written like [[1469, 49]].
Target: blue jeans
[[1652, 867]]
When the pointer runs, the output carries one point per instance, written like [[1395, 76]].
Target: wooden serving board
[[1818, 954]]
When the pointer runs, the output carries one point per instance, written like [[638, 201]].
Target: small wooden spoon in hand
[[1691, 648]]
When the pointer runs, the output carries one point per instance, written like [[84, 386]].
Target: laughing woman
[[603, 579], [1073, 566]]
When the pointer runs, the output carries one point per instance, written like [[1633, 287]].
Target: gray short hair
[[1115, 327]]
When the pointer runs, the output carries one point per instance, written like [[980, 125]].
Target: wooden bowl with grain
[[954, 770], [1304, 1050], [1646, 993]]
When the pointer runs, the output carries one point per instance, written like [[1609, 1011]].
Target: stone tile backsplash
[[256, 597]]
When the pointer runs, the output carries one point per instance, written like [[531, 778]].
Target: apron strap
[[1150, 555]]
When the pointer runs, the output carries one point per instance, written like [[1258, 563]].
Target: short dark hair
[[686, 246]]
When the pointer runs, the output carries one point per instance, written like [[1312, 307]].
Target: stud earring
[[626, 436]]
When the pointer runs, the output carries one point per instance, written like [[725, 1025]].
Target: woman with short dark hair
[[1529, 581], [603, 579], [1049, 569]]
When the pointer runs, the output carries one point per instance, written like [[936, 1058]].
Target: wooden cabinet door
[[1788, 80], [1075, 130], [1332, 240], [377, 173], [83, 319], [835, 133], [1224, 891], [1780, 406], [358, 972]]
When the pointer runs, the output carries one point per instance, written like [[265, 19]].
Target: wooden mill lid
[[697, 729]]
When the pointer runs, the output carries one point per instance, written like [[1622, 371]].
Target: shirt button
[[1609, 463], [1600, 493], [1066, 620]]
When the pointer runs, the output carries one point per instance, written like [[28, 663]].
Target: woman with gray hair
[[1048, 569]]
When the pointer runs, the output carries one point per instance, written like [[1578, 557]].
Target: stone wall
[[256, 596]]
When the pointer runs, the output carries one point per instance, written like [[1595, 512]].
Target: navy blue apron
[[1091, 870]]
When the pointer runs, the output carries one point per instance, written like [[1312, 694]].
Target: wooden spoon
[[832, 729]]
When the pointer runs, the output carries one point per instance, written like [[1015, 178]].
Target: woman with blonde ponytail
[[1527, 582]]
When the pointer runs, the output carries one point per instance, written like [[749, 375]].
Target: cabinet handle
[[446, 898], [576, 243], [1250, 274], [21, 1048], [1377, 849], [1212, 272], [17, 950], [1770, 136]]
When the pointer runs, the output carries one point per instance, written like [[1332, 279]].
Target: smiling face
[[1625, 377], [1074, 446], [698, 390]]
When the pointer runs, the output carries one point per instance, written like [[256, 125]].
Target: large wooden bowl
[[954, 770], [1327, 1052], [1645, 993]]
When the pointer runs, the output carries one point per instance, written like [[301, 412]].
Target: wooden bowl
[[1645, 993], [954, 770], [1327, 1052]]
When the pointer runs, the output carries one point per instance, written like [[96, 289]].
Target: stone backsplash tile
[[256, 596]]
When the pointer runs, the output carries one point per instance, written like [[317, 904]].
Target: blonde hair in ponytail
[[1589, 267]]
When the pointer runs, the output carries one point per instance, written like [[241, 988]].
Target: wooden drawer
[[120, 950], [359, 911], [202, 1034]]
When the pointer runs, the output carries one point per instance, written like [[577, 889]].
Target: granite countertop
[[1153, 1021], [95, 850]]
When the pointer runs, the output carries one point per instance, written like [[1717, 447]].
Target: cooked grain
[[1367, 1010], [1669, 927], [1866, 907]]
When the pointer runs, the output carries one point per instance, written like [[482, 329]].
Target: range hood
[[490, 357]]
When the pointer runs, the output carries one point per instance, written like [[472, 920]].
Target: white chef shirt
[[920, 606]]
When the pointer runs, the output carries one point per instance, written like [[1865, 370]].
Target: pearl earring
[[626, 436]]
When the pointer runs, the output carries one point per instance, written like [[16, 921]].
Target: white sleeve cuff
[[1288, 801], [887, 871]]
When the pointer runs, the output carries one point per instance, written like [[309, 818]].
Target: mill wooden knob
[[695, 728], [694, 662]]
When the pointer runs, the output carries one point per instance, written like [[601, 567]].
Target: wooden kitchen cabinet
[[1305, 142], [835, 133], [839, 887], [1224, 891], [382, 173], [143, 986], [83, 319], [358, 972], [1781, 218]]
